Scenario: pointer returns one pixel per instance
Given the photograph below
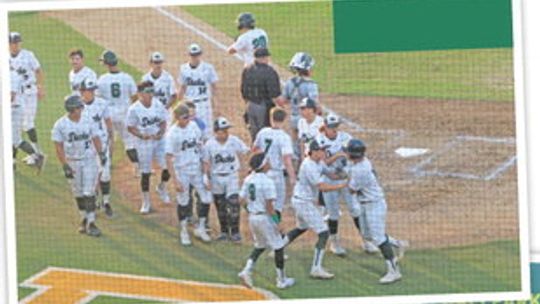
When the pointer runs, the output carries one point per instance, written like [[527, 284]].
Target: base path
[[429, 210]]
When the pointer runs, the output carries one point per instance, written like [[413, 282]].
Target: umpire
[[260, 87]]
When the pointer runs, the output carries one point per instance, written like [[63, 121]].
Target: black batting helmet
[[245, 20], [355, 148], [72, 103]]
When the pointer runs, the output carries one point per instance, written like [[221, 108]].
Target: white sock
[[249, 266], [392, 265], [184, 224], [280, 274], [146, 196], [202, 223], [91, 217], [106, 198], [318, 258]]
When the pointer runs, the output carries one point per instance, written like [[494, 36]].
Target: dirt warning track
[[431, 210]]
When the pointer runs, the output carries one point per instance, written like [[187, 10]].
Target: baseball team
[[167, 124]]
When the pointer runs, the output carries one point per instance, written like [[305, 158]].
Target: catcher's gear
[[301, 61], [355, 148], [68, 172], [72, 103], [109, 58], [103, 158], [245, 20]]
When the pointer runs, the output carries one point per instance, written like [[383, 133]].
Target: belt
[[199, 100], [258, 213], [222, 174]]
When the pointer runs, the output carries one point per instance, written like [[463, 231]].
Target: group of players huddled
[[173, 130]]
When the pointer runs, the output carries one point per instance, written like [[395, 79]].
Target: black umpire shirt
[[260, 83]]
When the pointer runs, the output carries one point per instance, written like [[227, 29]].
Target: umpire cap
[[109, 58], [245, 20], [261, 52], [257, 161], [72, 103], [15, 37], [355, 148]]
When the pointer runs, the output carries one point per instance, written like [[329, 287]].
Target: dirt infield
[[429, 210]]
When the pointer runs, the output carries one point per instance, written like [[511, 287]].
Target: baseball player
[[276, 144], [96, 111], [198, 84], [16, 121], [79, 71], [119, 90], [305, 196], [297, 88], [164, 86], [183, 145], [76, 144], [27, 66], [309, 125], [221, 165], [250, 39], [336, 160], [147, 122], [258, 193], [364, 185]]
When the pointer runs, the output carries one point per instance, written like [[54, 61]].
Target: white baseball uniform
[[185, 144], [246, 44], [96, 113], [164, 87], [198, 81], [26, 64], [305, 196], [364, 181], [80, 152], [76, 78], [308, 131], [117, 89], [224, 163], [16, 109], [276, 144], [332, 198], [296, 89], [148, 121], [257, 189]]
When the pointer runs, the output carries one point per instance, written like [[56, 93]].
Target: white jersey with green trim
[[257, 189], [117, 88], [246, 44]]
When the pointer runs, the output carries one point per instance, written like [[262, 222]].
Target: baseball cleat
[[145, 208], [202, 234], [236, 238], [370, 248], [108, 210], [184, 237], [163, 194], [391, 277], [93, 230], [335, 247], [222, 237], [321, 273], [402, 246], [285, 283], [245, 279], [29, 160], [82, 227]]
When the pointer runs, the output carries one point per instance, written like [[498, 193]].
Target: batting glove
[[68, 172]]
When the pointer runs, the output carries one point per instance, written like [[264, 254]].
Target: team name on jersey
[[189, 144], [72, 137], [195, 82], [146, 121], [224, 159]]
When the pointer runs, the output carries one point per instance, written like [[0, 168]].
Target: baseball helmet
[[194, 49], [308, 103], [157, 57], [245, 20], [332, 121], [355, 148], [88, 84], [109, 58], [301, 61], [221, 123], [15, 37], [257, 161], [72, 103]]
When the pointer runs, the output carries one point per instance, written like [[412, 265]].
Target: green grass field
[[307, 26], [47, 217]]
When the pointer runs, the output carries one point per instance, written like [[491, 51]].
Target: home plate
[[411, 152]]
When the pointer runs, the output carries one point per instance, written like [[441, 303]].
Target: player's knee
[[145, 182], [132, 155], [165, 175], [323, 238]]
